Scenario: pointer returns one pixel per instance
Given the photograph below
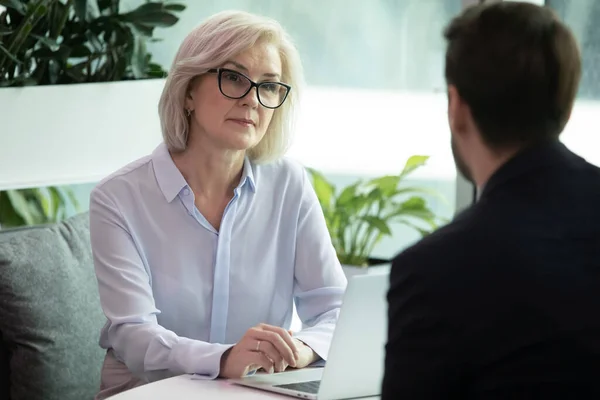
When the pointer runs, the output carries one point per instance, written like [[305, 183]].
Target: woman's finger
[[285, 335], [273, 355], [258, 358], [270, 351], [277, 341]]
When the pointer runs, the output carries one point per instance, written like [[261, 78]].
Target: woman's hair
[[211, 44]]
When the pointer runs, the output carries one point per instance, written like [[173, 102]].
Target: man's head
[[513, 71]]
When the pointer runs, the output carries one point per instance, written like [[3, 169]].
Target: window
[[581, 133], [376, 90]]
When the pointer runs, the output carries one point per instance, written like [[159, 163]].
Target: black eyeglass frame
[[219, 72]]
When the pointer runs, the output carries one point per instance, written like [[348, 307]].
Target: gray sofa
[[50, 315]]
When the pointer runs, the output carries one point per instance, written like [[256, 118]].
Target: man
[[504, 302]]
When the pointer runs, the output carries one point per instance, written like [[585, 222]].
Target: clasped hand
[[268, 347]]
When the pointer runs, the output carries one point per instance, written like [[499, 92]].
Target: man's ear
[[457, 111]]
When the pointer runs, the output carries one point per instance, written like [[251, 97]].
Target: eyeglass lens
[[235, 85]]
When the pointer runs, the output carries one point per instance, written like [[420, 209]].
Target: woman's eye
[[232, 77], [271, 87]]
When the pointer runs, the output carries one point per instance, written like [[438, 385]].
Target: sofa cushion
[[50, 314]]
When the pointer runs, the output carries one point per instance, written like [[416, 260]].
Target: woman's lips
[[243, 122]]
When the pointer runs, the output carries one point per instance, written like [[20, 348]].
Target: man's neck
[[488, 164]]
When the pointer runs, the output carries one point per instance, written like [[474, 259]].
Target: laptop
[[356, 356]]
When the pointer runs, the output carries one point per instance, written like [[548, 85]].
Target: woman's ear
[[189, 94], [189, 100]]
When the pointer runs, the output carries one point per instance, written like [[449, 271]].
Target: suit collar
[[527, 160]]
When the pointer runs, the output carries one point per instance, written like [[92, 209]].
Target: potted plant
[[359, 215], [52, 43], [36, 206]]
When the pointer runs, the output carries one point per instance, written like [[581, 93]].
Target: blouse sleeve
[[124, 283], [319, 280]]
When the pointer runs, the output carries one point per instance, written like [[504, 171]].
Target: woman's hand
[[307, 355], [264, 346]]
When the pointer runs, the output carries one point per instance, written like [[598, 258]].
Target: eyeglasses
[[236, 85]]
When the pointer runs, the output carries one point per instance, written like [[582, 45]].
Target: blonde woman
[[202, 247]]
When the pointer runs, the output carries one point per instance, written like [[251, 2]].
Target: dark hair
[[517, 67]]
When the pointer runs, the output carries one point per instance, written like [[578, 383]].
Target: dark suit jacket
[[504, 302]]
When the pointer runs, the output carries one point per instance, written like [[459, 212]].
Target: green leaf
[[19, 81], [49, 43], [355, 206], [175, 7], [376, 194], [150, 14], [421, 190], [149, 7], [44, 202], [387, 184], [138, 58], [377, 223], [12, 57], [9, 218], [347, 195], [425, 215], [81, 9], [17, 5], [80, 51], [413, 163], [353, 260], [34, 14], [20, 205], [74, 40], [421, 230], [43, 52], [143, 30], [106, 4], [56, 202], [57, 19], [155, 71], [414, 207], [76, 72], [414, 203], [154, 19]]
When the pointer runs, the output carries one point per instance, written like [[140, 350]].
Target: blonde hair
[[212, 43]]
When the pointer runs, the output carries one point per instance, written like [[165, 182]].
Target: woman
[[202, 247]]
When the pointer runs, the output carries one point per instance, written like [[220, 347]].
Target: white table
[[184, 387]]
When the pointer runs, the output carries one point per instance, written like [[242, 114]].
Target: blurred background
[[375, 97]]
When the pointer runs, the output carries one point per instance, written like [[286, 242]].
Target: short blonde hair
[[212, 43]]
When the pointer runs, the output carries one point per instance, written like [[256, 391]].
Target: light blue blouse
[[176, 293]]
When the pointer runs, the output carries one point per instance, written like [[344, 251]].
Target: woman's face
[[234, 124]]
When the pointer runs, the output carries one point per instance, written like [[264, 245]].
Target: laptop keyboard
[[306, 387]]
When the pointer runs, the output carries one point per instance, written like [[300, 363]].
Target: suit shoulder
[[453, 245]]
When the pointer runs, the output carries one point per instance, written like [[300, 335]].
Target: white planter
[[77, 133], [352, 270]]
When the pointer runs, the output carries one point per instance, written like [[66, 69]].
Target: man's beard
[[462, 166]]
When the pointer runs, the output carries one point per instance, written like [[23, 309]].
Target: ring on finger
[[258, 345]]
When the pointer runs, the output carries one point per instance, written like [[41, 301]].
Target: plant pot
[[375, 266], [76, 133]]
